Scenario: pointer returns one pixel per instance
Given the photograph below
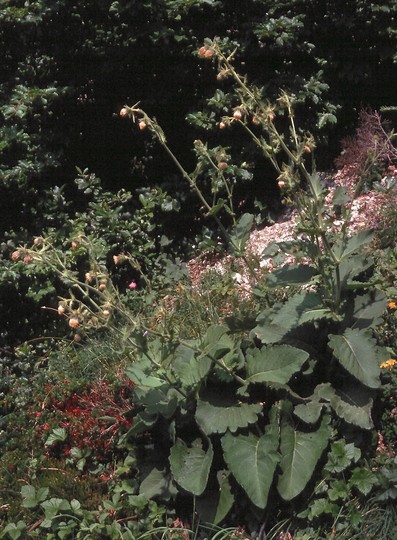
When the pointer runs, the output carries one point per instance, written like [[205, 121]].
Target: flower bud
[[202, 51], [142, 125], [73, 322], [123, 112], [61, 309], [15, 255], [237, 115], [38, 241]]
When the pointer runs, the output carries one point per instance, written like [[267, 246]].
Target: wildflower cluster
[[93, 419]]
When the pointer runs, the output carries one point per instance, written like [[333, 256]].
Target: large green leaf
[[358, 354], [368, 309], [240, 234], [269, 333], [226, 498], [345, 247], [309, 412], [252, 461], [215, 504], [352, 266], [189, 368], [158, 483], [190, 467], [300, 454], [219, 417], [301, 308], [352, 405], [291, 275], [274, 364], [217, 342]]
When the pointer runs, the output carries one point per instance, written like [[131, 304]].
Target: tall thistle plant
[[251, 412]]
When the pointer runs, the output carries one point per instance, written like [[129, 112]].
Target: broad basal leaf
[[358, 354], [217, 342], [269, 333], [215, 504], [277, 363], [345, 247], [158, 483], [188, 367], [368, 309], [190, 467], [291, 275], [221, 417], [299, 309], [300, 453], [252, 461], [309, 412], [352, 405]]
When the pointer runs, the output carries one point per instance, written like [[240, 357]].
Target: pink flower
[[132, 285], [15, 255]]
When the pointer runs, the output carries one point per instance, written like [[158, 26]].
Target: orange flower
[[392, 305], [389, 364]]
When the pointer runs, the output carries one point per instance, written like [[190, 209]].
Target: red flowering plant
[[85, 424]]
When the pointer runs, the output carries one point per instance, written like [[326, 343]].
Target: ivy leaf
[[341, 456], [54, 506], [300, 454], [57, 434], [322, 506], [252, 461], [14, 530], [31, 497], [363, 479], [191, 466], [276, 364], [224, 415], [358, 354]]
